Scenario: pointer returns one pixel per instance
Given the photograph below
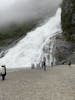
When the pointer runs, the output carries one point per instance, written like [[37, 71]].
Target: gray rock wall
[[64, 50]]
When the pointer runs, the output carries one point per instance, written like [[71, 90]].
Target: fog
[[26, 10]]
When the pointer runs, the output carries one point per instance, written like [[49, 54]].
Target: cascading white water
[[47, 51], [29, 49]]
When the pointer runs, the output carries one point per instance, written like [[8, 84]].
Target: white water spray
[[29, 49]]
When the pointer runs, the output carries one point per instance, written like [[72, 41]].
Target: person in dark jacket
[[3, 72], [69, 63], [51, 64], [44, 63]]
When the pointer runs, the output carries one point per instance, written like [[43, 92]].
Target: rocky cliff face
[[63, 49], [65, 42], [68, 19]]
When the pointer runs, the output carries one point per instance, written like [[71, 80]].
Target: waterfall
[[47, 51], [33, 46]]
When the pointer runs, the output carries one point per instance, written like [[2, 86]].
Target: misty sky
[[19, 10]]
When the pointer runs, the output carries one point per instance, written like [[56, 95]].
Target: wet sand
[[57, 83]]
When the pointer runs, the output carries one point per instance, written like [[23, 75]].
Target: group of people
[[3, 72], [42, 64]]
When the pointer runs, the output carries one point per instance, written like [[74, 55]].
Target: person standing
[[3, 72], [51, 64], [44, 64], [69, 63]]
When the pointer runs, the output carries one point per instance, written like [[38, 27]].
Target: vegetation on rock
[[68, 19]]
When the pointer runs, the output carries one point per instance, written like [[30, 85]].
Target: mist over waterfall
[[30, 49]]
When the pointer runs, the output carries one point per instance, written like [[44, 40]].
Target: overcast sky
[[18, 10]]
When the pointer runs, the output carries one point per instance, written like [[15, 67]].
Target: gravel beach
[[57, 83]]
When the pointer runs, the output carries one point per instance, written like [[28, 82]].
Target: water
[[30, 48]]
